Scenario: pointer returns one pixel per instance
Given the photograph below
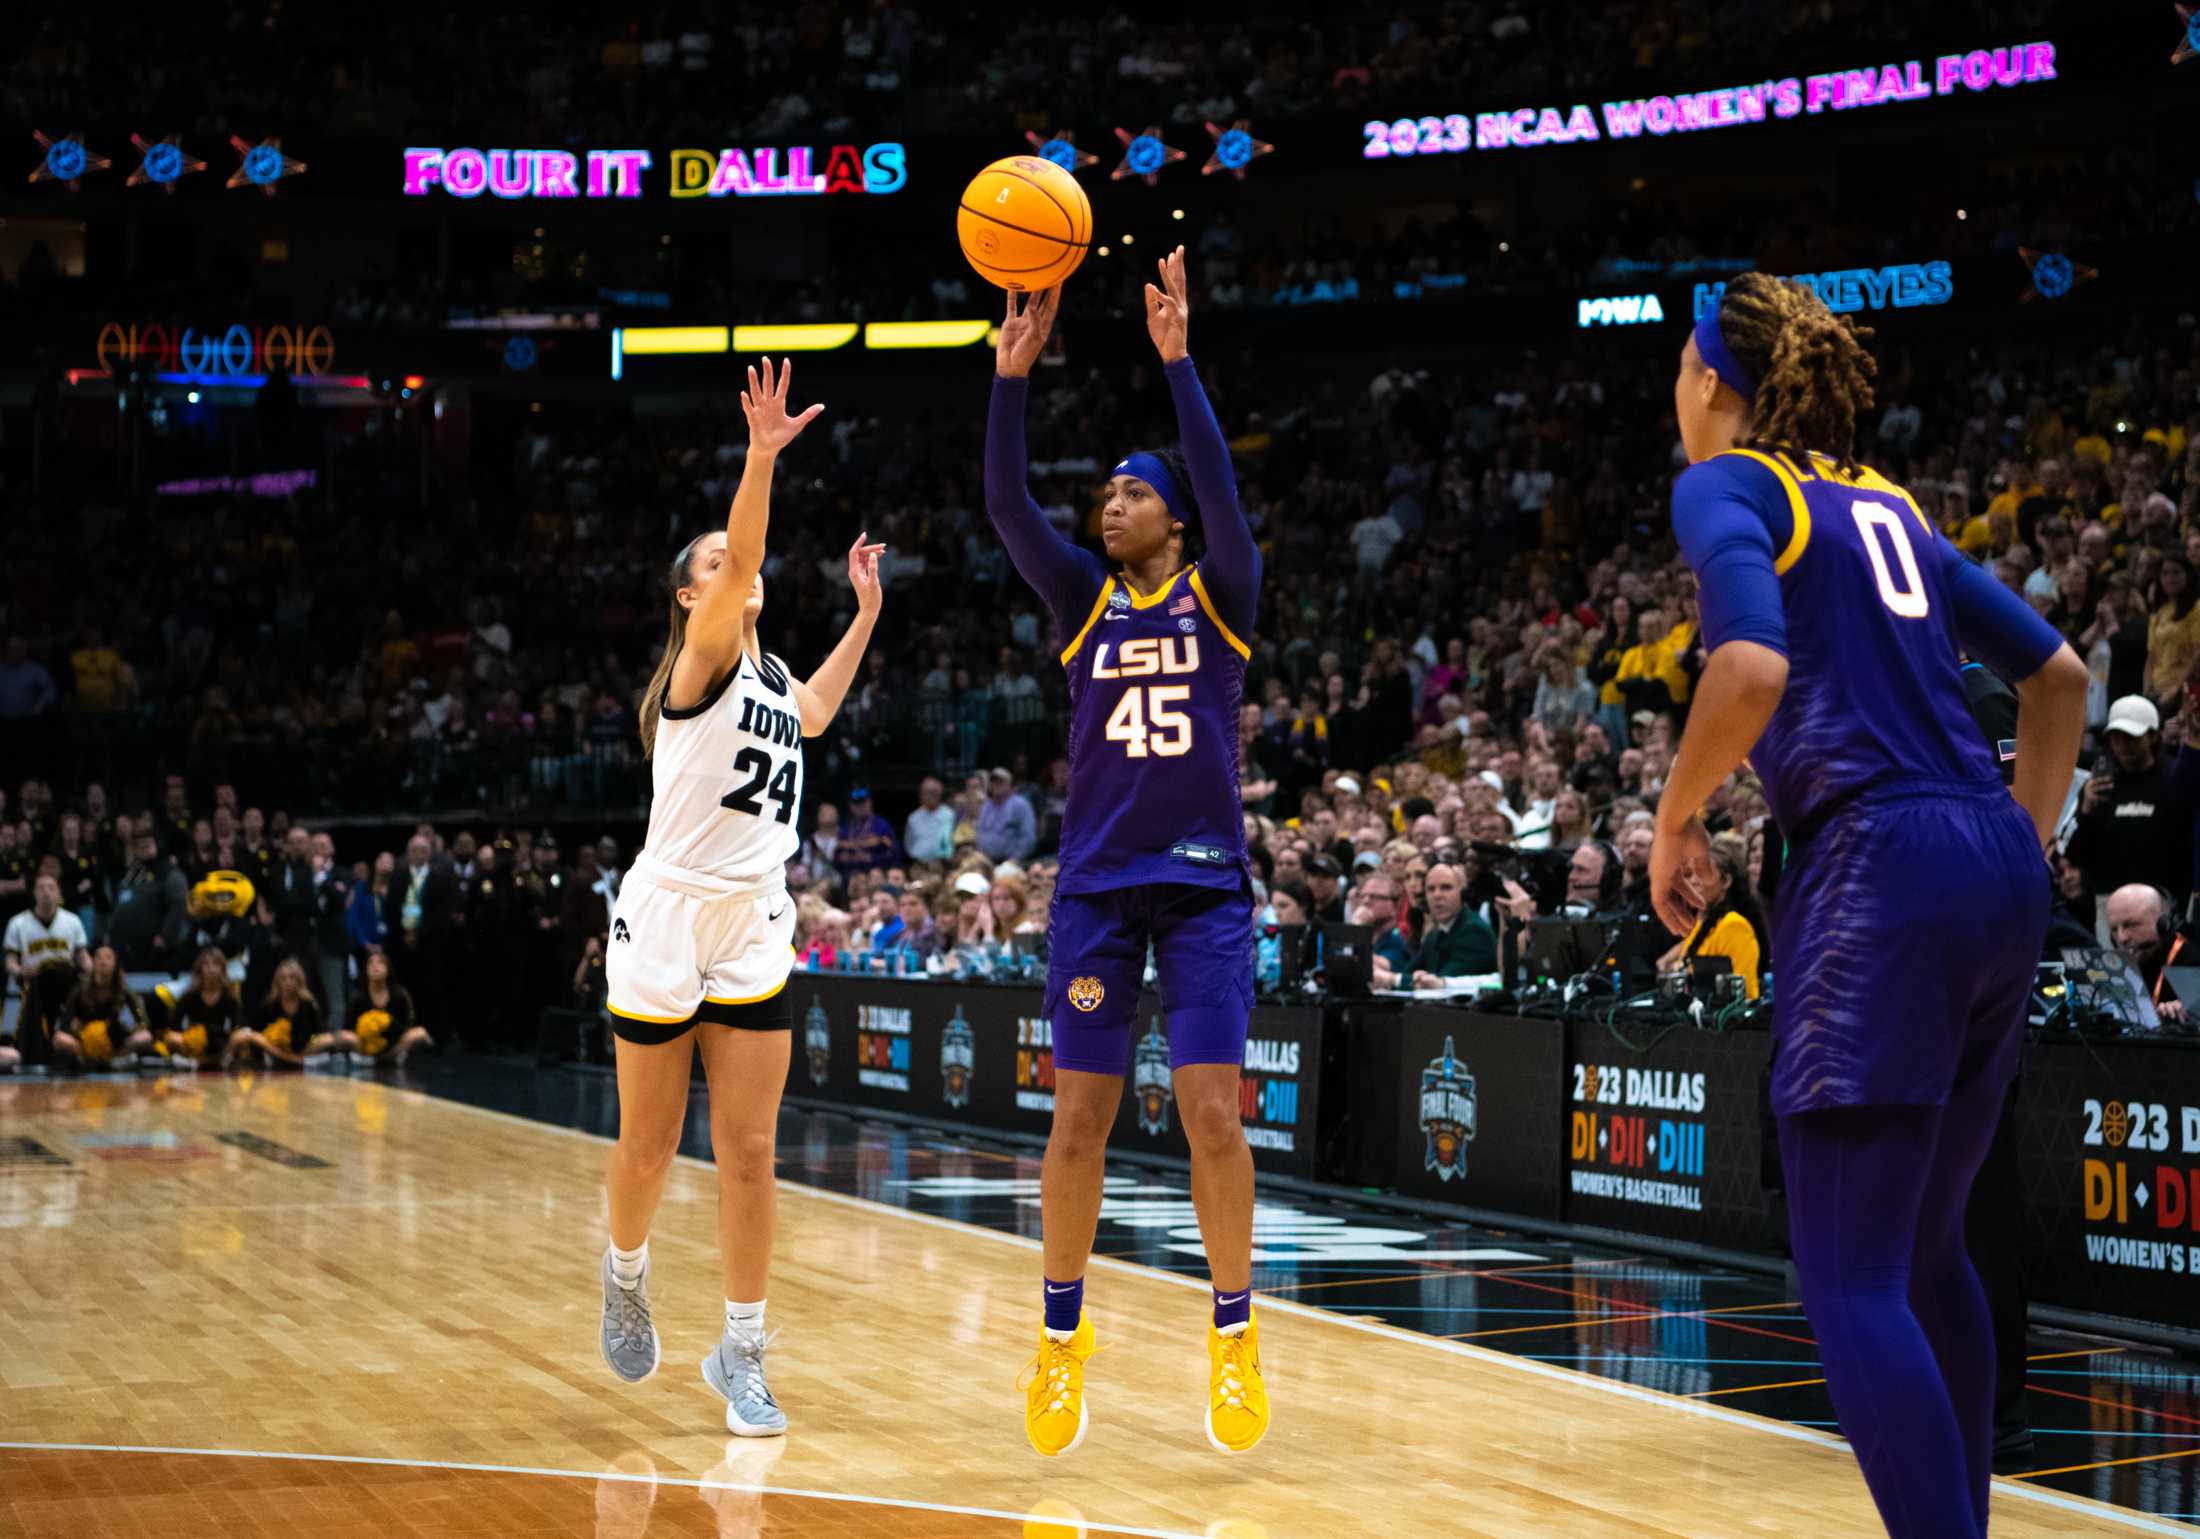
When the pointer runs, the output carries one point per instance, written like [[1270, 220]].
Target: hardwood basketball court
[[251, 1305]]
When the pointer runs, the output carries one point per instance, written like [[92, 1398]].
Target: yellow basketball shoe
[[1237, 1400], [1054, 1403]]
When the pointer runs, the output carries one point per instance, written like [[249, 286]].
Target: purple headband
[[1719, 359], [1154, 471]]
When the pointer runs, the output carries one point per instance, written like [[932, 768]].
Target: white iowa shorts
[[676, 959]]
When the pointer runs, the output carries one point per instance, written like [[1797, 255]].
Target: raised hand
[[863, 574], [765, 404], [1024, 331], [1168, 309]]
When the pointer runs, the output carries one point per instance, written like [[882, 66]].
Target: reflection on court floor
[[245, 1304]]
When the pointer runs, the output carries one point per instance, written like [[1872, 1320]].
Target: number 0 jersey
[[1154, 686], [1871, 606], [727, 777]]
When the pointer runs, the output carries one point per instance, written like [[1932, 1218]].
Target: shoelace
[[748, 1352], [1051, 1365], [1230, 1389], [629, 1315]]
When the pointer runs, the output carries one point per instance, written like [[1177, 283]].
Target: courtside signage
[[1739, 106], [795, 170], [1901, 286]]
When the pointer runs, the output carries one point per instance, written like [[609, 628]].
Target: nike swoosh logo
[[1235, 1298], [774, 919], [1072, 1288]]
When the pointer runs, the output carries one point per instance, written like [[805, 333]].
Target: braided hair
[[1813, 372]]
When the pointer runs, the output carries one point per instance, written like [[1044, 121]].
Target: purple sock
[[1233, 1308], [1065, 1304]]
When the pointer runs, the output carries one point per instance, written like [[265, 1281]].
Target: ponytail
[[1813, 371], [676, 621]]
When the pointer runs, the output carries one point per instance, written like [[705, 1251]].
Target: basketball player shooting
[[1153, 849]]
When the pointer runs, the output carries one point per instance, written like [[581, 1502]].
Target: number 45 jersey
[[1872, 607], [1154, 687], [727, 775]]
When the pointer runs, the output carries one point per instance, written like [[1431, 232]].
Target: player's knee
[[1082, 1123], [1211, 1121], [64, 1043], [744, 1159], [648, 1149]]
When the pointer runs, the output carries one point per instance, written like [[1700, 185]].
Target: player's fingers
[[786, 376], [809, 415]]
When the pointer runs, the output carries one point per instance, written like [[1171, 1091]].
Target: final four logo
[[1447, 1114], [817, 1039], [958, 1060], [1150, 1078]]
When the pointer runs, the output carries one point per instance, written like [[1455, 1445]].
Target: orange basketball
[[1024, 223]]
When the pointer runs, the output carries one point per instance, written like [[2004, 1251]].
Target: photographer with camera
[[1518, 885]]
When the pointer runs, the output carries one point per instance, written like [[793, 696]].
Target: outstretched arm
[[714, 625], [819, 696], [1063, 576], [1231, 570]]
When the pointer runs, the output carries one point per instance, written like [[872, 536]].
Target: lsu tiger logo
[[1086, 993]]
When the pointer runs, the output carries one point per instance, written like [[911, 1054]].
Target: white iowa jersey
[[728, 778], [40, 945]]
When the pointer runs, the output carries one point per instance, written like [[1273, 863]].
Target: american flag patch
[[1185, 605]]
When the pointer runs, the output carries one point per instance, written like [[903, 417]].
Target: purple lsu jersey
[[1874, 690], [1154, 686]]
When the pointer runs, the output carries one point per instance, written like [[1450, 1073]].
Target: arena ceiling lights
[[816, 337]]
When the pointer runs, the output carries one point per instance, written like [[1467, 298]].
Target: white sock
[[627, 1266], [746, 1318]]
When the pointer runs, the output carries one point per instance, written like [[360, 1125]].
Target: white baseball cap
[[2134, 714], [973, 883], [1347, 785]]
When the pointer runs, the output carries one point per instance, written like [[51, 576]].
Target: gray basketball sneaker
[[736, 1371], [629, 1339]]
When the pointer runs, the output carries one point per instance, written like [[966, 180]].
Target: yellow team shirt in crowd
[[98, 673], [1735, 939], [2173, 647]]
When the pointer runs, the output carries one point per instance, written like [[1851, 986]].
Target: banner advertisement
[[2108, 1153], [1476, 1098], [983, 1056], [1668, 1141], [1276, 1091]]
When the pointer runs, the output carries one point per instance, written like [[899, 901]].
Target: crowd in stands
[[752, 71], [200, 933], [1490, 644]]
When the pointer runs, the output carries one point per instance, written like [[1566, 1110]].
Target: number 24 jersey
[[727, 777]]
